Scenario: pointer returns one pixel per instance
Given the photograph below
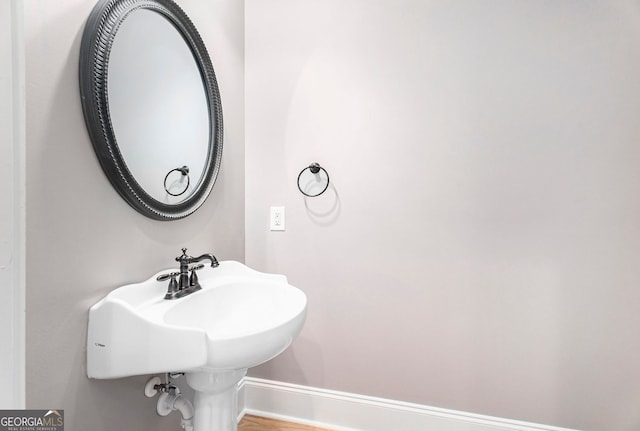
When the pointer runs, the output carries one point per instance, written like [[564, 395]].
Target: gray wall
[[480, 248], [82, 239], [12, 313]]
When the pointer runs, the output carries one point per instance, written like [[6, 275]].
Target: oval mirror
[[152, 105]]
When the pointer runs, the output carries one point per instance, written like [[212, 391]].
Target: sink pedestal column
[[216, 401]]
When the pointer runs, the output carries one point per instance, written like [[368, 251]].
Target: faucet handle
[[173, 284], [165, 277], [194, 284]]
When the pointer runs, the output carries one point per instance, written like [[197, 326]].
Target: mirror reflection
[[157, 104]]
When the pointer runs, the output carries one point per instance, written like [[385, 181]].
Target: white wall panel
[[479, 249]]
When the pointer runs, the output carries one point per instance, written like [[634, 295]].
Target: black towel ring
[[313, 180], [185, 173]]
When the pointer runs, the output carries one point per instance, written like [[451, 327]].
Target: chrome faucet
[[186, 284]]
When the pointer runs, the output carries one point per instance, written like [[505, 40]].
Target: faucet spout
[[212, 258]]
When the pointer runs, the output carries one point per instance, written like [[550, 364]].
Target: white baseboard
[[344, 411]]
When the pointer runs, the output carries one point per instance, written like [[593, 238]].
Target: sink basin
[[239, 319]]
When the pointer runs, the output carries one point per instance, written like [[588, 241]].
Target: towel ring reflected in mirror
[[183, 173], [313, 180]]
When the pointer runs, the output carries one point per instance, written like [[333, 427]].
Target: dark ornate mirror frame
[[99, 33]]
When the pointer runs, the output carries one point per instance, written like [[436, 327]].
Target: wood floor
[[256, 423]]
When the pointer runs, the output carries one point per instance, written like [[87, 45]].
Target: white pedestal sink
[[240, 318]]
